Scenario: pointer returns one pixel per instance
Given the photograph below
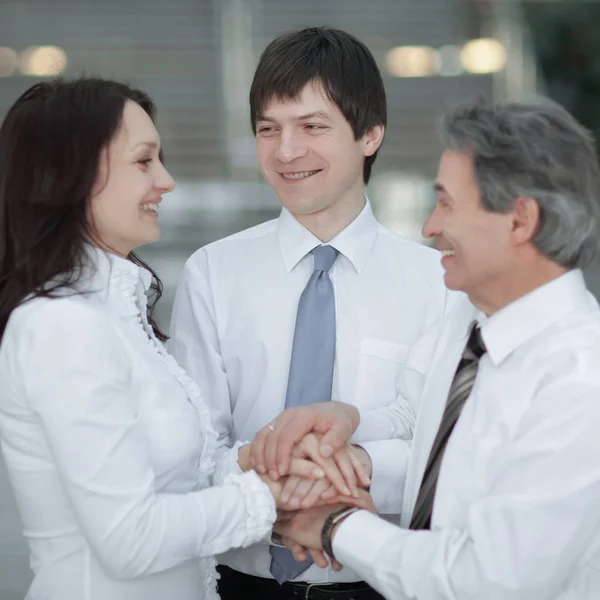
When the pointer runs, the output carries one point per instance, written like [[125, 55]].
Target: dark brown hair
[[50, 146], [342, 64]]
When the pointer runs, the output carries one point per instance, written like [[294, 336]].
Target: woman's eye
[[145, 161]]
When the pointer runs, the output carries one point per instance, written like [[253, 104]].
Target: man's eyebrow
[[440, 189], [312, 115]]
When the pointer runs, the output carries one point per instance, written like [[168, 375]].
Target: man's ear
[[372, 140], [526, 220]]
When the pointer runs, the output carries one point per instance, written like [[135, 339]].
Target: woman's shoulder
[[61, 313]]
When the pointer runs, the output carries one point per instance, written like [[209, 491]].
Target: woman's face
[[131, 181]]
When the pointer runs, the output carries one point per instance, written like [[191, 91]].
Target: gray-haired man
[[511, 401]]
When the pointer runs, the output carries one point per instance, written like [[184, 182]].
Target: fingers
[[298, 424], [346, 468], [305, 469], [289, 488], [265, 443], [319, 558], [300, 493], [339, 428], [360, 468], [310, 448], [299, 554], [329, 493], [304, 493], [257, 450], [270, 450], [363, 501], [296, 549], [315, 493]]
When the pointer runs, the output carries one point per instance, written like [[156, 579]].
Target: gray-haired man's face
[[476, 244]]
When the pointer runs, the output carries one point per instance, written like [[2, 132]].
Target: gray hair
[[534, 150]]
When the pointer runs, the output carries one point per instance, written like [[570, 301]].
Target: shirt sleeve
[[524, 538], [389, 460], [194, 342], [396, 421], [77, 377]]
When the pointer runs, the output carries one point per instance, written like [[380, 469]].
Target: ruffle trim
[[260, 509], [227, 463], [130, 285]]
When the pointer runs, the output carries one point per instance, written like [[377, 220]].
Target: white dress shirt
[[110, 450], [517, 508], [233, 327]]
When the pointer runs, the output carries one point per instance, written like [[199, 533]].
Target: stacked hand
[[305, 458]]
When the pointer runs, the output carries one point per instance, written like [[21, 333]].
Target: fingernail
[[318, 473], [285, 497], [326, 450], [355, 492], [261, 469], [347, 491], [281, 469], [294, 503], [274, 475]]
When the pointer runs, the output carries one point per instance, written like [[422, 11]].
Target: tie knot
[[475, 346], [324, 258]]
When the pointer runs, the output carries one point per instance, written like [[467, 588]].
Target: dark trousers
[[234, 585]]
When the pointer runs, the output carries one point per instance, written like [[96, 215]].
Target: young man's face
[[308, 154]]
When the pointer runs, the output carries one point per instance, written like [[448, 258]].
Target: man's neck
[[328, 223], [516, 285]]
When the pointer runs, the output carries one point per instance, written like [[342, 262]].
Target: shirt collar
[[524, 318], [104, 268], [355, 242]]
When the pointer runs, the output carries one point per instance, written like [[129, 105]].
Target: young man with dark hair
[[322, 303]]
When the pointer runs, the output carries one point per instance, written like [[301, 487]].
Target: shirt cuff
[[227, 463], [261, 512], [389, 460], [360, 541]]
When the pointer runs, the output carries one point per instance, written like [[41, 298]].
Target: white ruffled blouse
[[111, 452]]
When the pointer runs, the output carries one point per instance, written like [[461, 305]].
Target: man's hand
[[303, 529], [271, 450]]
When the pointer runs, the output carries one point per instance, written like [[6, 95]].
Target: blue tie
[[311, 368]]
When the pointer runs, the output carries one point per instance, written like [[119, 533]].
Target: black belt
[[268, 588]]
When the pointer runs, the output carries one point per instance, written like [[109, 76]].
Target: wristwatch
[[332, 520]]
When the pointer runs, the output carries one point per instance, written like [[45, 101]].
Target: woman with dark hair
[[108, 443]]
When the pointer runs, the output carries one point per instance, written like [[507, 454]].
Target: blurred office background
[[197, 57]]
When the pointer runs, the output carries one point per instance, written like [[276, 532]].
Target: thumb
[[335, 438]]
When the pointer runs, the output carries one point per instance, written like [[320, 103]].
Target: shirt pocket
[[411, 380], [379, 366]]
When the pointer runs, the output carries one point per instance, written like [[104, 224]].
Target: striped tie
[[461, 387]]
